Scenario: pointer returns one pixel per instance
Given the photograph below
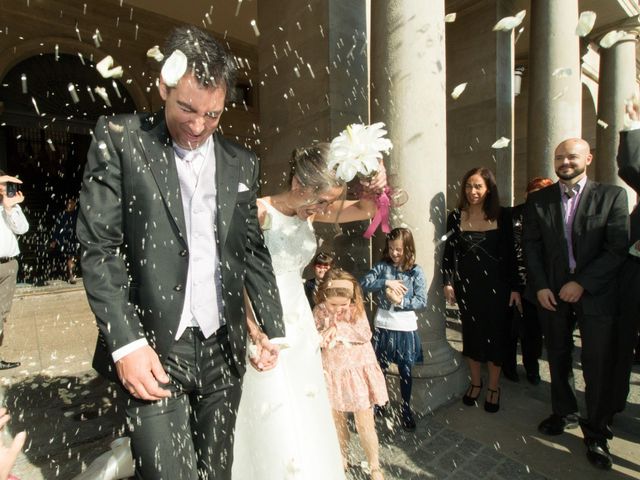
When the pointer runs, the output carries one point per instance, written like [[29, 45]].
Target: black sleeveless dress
[[482, 269]]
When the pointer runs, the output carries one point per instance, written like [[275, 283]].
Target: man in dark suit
[[575, 240], [172, 255], [628, 324]]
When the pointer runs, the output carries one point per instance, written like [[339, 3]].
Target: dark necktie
[[570, 192]]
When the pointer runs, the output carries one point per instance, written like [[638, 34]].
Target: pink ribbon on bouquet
[[383, 204]]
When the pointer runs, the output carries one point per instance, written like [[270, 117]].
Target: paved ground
[[71, 416]]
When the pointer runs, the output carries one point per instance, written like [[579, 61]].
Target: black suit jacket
[[134, 249], [600, 231], [629, 171]]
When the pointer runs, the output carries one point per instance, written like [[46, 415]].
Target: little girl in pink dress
[[354, 379]]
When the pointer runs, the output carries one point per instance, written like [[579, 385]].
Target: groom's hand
[[266, 356], [140, 371]]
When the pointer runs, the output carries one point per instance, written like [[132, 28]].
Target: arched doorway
[[45, 132]]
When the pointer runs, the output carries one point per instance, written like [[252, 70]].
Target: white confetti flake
[[102, 93], [254, 25], [611, 38], [116, 128], [450, 18], [585, 23], [502, 142], [457, 91], [155, 53], [509, 23], [104, 68], [72, 91], [23, 82], [35, 105], [602, 123], [174, 68]]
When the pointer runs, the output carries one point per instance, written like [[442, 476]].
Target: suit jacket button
[[183, 253], [178, 288]]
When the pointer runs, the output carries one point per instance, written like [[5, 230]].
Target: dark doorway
[[44, 138]]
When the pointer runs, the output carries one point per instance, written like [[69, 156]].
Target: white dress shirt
[[12, 224], [203, 291]]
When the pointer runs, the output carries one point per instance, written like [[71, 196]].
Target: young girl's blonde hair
[[327, 289]]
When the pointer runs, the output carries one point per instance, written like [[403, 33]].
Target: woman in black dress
[[480, 272]]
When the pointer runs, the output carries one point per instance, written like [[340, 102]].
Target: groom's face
[[192, 111]]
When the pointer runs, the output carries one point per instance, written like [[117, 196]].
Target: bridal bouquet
[[357, 151]]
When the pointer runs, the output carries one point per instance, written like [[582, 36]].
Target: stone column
[[617, 84], [554, 91], [408, 94]]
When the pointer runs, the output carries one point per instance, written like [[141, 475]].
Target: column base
[[434, 385]]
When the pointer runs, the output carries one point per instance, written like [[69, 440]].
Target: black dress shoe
[[492, 407], [598, 454], [556, 424], [408, 423], [468, 398], [533, 379], [7, 365]]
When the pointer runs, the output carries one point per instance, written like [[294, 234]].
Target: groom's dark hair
[[209, 61]]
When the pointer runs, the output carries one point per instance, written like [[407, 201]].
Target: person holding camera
[[12, 223]]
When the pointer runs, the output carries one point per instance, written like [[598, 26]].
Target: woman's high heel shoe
[[468, 399], [492, 407]]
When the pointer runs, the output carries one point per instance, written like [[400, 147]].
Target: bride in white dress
[[284, 429]]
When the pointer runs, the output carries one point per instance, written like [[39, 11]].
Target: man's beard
[[568, 176]]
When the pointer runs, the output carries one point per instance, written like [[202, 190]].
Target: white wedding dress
[[284, 429]]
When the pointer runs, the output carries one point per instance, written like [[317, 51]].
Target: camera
[[12, 188]]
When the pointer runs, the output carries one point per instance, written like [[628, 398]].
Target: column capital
[[629, 25]]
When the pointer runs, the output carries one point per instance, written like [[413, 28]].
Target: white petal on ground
[[174, 68], [155, 53], [509, 23], [602, 123], [450, 18], [611, 38], [562, 72], [502, 142], [458, 90], [585, 23]]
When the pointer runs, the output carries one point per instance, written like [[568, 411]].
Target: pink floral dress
[[351, 370]]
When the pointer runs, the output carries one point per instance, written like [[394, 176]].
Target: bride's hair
[[309, 166], [325, 290]]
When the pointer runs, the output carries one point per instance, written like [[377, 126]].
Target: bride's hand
[[378, 182], [266, 356]]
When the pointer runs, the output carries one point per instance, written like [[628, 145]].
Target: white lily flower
[[357, 150], [458, 90], [104, 68], [174, 68], [155, 53], [611, 38], [585, 23], [509, 23], [502, 142]]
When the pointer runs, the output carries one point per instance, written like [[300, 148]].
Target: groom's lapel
[[227, 178], [160, 157]]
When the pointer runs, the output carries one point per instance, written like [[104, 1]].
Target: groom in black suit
[[575, 240], [173, 260]]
